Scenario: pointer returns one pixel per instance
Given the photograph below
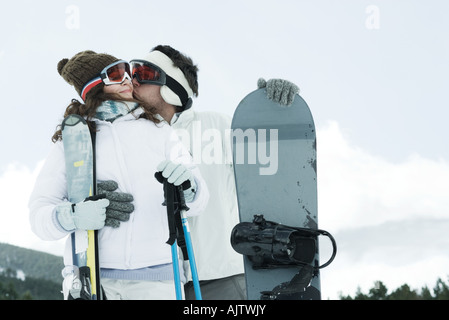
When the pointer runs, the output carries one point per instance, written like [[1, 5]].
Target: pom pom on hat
[[61, 65]]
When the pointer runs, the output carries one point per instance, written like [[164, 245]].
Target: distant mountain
[[30, 274]]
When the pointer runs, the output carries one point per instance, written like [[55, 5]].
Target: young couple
[[134, 108]]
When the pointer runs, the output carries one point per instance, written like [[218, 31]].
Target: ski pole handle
[[159, 177]]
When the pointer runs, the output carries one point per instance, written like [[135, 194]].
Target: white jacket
[[128, 152], [207, 137]]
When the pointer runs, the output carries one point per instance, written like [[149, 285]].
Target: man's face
[[148, 93]]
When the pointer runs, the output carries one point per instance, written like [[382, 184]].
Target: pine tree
[[8, 292], [441, 290]]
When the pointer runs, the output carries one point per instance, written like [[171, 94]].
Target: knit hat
[[83, 67], [165, 63]]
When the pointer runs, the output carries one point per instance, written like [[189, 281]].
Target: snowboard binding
[[268, 244]]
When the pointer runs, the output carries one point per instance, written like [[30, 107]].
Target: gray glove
[[278, 90], [120, 206]]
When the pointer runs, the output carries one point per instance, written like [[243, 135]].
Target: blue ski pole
[[177, 276], [175, 195], [169, 195], [196, 282], [188, 239]]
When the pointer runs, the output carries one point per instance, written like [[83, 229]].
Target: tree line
[[380, 292], [12, 288]]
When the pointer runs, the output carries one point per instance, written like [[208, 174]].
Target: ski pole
[[177, 276], [185, 226], [193, 269], [173, 195], [169, 195]]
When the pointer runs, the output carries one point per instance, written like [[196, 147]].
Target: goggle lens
[[145, 72], [117, 73]]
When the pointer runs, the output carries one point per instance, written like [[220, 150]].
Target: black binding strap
[[296, 289]]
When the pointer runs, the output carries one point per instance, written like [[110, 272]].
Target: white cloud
[[410, 251], [16, 184], [389, 219], [359, 189]]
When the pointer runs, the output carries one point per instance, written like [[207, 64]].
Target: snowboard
[[79, 161], [274, 153]]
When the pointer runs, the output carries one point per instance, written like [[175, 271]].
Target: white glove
[[86, 215], [177, 174]]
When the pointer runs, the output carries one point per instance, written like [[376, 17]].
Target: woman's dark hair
[[94, 99]]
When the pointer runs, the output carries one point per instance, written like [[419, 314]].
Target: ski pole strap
[[180, 206], [180, 236], [170, 203]]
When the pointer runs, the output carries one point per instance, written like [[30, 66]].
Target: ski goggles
[[148, 73], [115, 73]]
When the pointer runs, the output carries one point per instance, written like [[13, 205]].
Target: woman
[[131, 145]]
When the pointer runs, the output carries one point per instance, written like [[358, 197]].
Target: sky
[[374, 74]]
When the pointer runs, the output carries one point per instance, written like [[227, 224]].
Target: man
[[167, 80]]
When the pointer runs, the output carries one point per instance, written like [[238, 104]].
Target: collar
[[175, 118], [185, 116]]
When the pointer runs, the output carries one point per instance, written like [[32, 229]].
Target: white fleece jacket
[[128, 152]]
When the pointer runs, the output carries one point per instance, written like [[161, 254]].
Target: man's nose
[[135, 82]]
